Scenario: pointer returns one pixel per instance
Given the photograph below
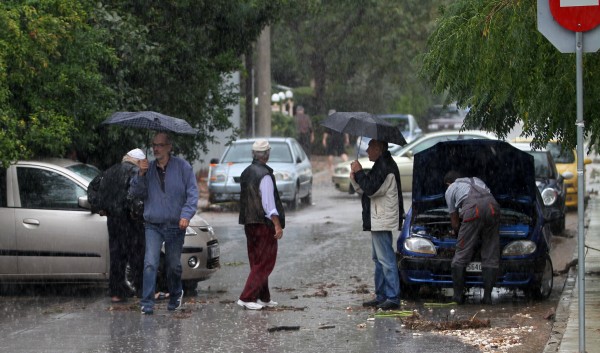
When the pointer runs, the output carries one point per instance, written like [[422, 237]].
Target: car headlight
[[549, 196], [190, 231], [419, 245], [342, 170], [519, 247], [284, 176]]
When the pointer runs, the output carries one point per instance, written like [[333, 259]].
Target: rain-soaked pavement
[[323, 273]]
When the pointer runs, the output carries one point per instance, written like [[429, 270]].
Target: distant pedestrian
[[125, 225], [475, 218], [382, 213], [335, 144], [262, 214], [304, 129], [170, 192]]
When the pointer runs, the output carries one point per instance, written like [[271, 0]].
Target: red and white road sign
[[576, 15]]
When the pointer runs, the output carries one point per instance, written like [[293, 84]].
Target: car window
[[87, 171], [3, 187], [280, 152], [542, 165], [561, 156], [40, 188], [238, 153]]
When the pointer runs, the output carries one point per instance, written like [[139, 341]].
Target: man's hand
[[355, 166], [183, 223], [143, 167]]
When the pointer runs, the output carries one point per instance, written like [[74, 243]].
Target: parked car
[[426, 244], [550, 183], [445, 117], [405, 122], [49, 234], [403, 157], [291, 167], [566, 160]]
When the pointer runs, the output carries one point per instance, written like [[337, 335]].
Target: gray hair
[[260, 154]]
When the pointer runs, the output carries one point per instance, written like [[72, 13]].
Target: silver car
[[291, 167], [47, 232]]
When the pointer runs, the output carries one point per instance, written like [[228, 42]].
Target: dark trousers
[[126, 242], [304, 140], [262, 253]]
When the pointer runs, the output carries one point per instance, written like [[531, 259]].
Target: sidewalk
[[567, 311]]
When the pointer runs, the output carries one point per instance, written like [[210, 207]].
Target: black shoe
[[371, 303], [388, 305]]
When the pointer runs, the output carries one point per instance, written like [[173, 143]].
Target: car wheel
[[293, 203], [558, 227], [409, 291], [189, 286], [542, 288], [307, 200], [351, 190]]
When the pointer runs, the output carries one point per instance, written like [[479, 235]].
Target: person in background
[[382, 213], [263, 217], [125, 226], [475, 218], [335, 144], [170, 193], [304, 129]]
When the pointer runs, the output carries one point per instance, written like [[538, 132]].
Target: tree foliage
[[49, 80], [67, 65], [358, 55], [489, 56]]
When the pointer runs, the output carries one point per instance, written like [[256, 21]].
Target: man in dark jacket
[[261, 213], [125, 228], [382, 213]]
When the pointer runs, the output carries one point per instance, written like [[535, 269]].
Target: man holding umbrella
[[382, 212], [170, 193]]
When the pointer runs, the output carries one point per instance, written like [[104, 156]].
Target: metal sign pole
[[580, 189]]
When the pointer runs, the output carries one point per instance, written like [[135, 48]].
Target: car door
[[8, 243], [303, 168], [55, 237]]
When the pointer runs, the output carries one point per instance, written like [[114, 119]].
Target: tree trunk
[[263, 75]]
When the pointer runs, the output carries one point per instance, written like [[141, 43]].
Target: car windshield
[[542, 165], [242, 153], [561, 156], [87, 171]]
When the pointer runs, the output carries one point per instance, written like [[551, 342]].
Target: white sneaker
[[269, 304], [249, 305]]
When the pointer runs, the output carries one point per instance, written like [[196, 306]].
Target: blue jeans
[[387, 281], [173, 239]]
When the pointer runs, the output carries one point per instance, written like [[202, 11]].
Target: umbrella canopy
[[364, 124], [151, 121]]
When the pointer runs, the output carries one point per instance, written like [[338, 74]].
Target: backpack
[[93, 192]]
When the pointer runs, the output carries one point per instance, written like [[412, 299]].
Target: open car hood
[[506, 170]]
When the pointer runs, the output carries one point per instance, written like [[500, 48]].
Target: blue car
[[426, 244]]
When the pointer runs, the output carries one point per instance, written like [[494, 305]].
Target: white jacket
[[384, 205]]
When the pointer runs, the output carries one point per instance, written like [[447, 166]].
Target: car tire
[[307, 200], [409, 291], [542, 288], [293, 203], [189, 286], [558, 227]]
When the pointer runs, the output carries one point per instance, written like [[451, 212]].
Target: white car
[[291, 167], [404, 157], [49, 234]]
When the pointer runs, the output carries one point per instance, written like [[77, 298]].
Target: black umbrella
[[151, 121], [364, 124]]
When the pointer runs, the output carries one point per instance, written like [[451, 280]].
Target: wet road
[[323, 274]]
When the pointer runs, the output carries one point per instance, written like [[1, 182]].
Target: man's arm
[[455, 221], [267, 192], [191, 189]]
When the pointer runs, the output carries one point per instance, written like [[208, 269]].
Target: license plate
[[474, 267], [214, 251]]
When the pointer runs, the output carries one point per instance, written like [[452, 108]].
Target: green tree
[[358, 55], [49, 77], [489, 56]]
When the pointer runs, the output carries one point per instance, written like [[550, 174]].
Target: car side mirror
[[214, 161], [409, 154], [82, 201], [567, 175], [587, 161], [298, 160]]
